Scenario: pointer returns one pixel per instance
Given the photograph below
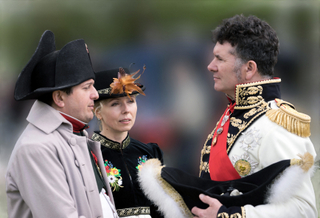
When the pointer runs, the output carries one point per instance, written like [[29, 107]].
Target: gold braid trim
[[290, 119], [243, 210], [236, 215], [223, 215], [306, 161], [226, 215], [133, 211], [206, 150], [104, 91], [168, 189]]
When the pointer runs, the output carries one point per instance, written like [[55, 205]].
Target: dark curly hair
[[254, 40]]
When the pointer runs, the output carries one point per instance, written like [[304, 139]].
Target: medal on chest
[[220, 166], [221, 127], [249, 141]]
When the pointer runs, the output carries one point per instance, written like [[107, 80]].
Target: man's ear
[[57, 97], [251, 70]]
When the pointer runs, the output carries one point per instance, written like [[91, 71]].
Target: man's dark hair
[[47, 98], [254, 39]]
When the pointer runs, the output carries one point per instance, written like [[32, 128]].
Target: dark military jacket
[[122, 165]]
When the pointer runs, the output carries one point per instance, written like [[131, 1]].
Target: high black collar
[[249, 95], [110, 143]]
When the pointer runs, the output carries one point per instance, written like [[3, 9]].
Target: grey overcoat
[[50, 173]]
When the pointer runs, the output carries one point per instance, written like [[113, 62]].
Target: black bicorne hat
[[253, 188], [105, 80], [175, 191], [49, 70]]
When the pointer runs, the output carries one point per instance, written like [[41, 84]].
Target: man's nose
[[95, 94], [212, 67]]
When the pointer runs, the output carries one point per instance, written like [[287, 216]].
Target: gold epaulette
[[292, 120]]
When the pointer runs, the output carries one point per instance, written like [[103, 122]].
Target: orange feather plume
[[125, 83]]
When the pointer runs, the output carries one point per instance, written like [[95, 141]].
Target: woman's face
[[118, 115]]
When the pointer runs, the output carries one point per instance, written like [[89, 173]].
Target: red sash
[[221, 168]]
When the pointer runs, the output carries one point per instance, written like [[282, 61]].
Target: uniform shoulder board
[[293, 121]]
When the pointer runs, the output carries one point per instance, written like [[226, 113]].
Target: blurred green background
[[173, 40]]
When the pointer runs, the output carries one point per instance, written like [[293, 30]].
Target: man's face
[[79, 104], [226, 68]]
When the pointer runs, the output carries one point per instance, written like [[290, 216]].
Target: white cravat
[[108, 208]]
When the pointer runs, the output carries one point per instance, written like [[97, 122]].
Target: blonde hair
[[96, 109]]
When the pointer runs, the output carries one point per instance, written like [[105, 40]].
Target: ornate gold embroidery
[[242, 126], [263, 106], [210, 136], [246, 89], [250, 91], [236, 215], [255, 90], [204, 151], [252, 100], [244, 100], [205, 167], [255, 110], [237, 123], [133, 211], [223, 215], [230, 138], [226, 215], [250, 113], [208, 148], [201, 165], [109, 143], [243, 211]]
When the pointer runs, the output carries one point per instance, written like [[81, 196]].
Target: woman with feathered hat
[[123, 156]]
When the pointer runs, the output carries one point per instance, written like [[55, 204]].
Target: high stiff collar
[[249, 95], [77, 125], [110, 143]]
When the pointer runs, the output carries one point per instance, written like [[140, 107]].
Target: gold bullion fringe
[[306, 161], [291, 120]]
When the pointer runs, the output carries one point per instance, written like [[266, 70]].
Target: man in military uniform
[[257, 128]]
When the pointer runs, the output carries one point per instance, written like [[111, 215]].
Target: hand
[[211, 211]]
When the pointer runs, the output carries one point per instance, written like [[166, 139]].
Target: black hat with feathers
[[117, 83]]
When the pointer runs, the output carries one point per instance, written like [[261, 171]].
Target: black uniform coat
[[122, 165]]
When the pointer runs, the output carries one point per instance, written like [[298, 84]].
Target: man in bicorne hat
[[257, 128], [52, 171]]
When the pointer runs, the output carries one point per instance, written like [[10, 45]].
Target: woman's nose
[[125, 107]]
